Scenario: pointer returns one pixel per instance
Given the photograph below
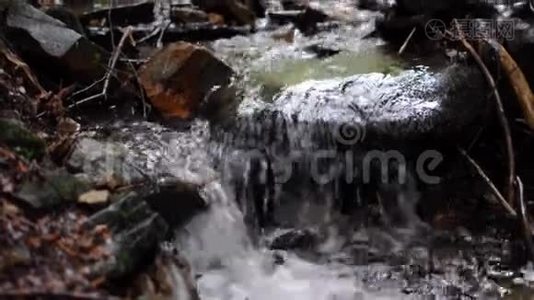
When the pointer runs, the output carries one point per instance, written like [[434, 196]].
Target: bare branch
[[492, 186], [500, 110]]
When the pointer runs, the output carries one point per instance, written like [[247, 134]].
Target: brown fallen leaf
[[518, 81], [33, 242]]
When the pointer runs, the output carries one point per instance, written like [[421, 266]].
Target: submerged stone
[[295, 239]]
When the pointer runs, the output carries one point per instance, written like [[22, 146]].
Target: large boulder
[[49, 44], [416, 104], [140, 221], [137, 231], [183, 80]]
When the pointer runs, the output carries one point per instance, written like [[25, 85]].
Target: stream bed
[[269, 235], [320, 253]]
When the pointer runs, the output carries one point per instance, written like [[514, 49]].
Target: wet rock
[[188, 15], [415, 104], [170, 278], [52, 188], [176, 201], [233, 10], [294, 239], [49, 44], [320, 51], [137, 231], [21, 140], [401, 18], [418, 7], [140, 221], [104, 163], [182, 80], [305, 20], [294, 4], [67, 17], [375, 4], [123, 15]]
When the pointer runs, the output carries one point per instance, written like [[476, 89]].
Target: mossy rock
[[21, 140], [137, 232], [54, 188]]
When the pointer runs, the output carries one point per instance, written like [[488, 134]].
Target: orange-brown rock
[[180, 78]]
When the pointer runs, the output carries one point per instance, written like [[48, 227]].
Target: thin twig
[[403, 47], [500, 110], [110, 23], [112, 64], [150, 35], [527, 230], [14, 59], [164, 28], [492, 186], [146, 107]]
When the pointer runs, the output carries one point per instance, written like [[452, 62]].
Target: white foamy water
[[231, 268]]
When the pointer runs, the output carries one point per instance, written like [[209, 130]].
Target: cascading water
[[270, 234], [232, 266]]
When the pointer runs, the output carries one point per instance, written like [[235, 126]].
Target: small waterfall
[[250, 204]]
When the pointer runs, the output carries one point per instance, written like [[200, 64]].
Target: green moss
[[21, 140], [56, 187]]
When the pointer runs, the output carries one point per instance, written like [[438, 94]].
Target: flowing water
[[332, 245], [232, 254]]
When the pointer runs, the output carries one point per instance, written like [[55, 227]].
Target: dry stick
[[518, 81], [141, 90], [159, 43], [13, 58], [527, 230], [110, 23], [500, 110], [149, 36], [403, 47], [112, 64], [492, 186]]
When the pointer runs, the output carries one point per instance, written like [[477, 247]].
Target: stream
[[272, 231]]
